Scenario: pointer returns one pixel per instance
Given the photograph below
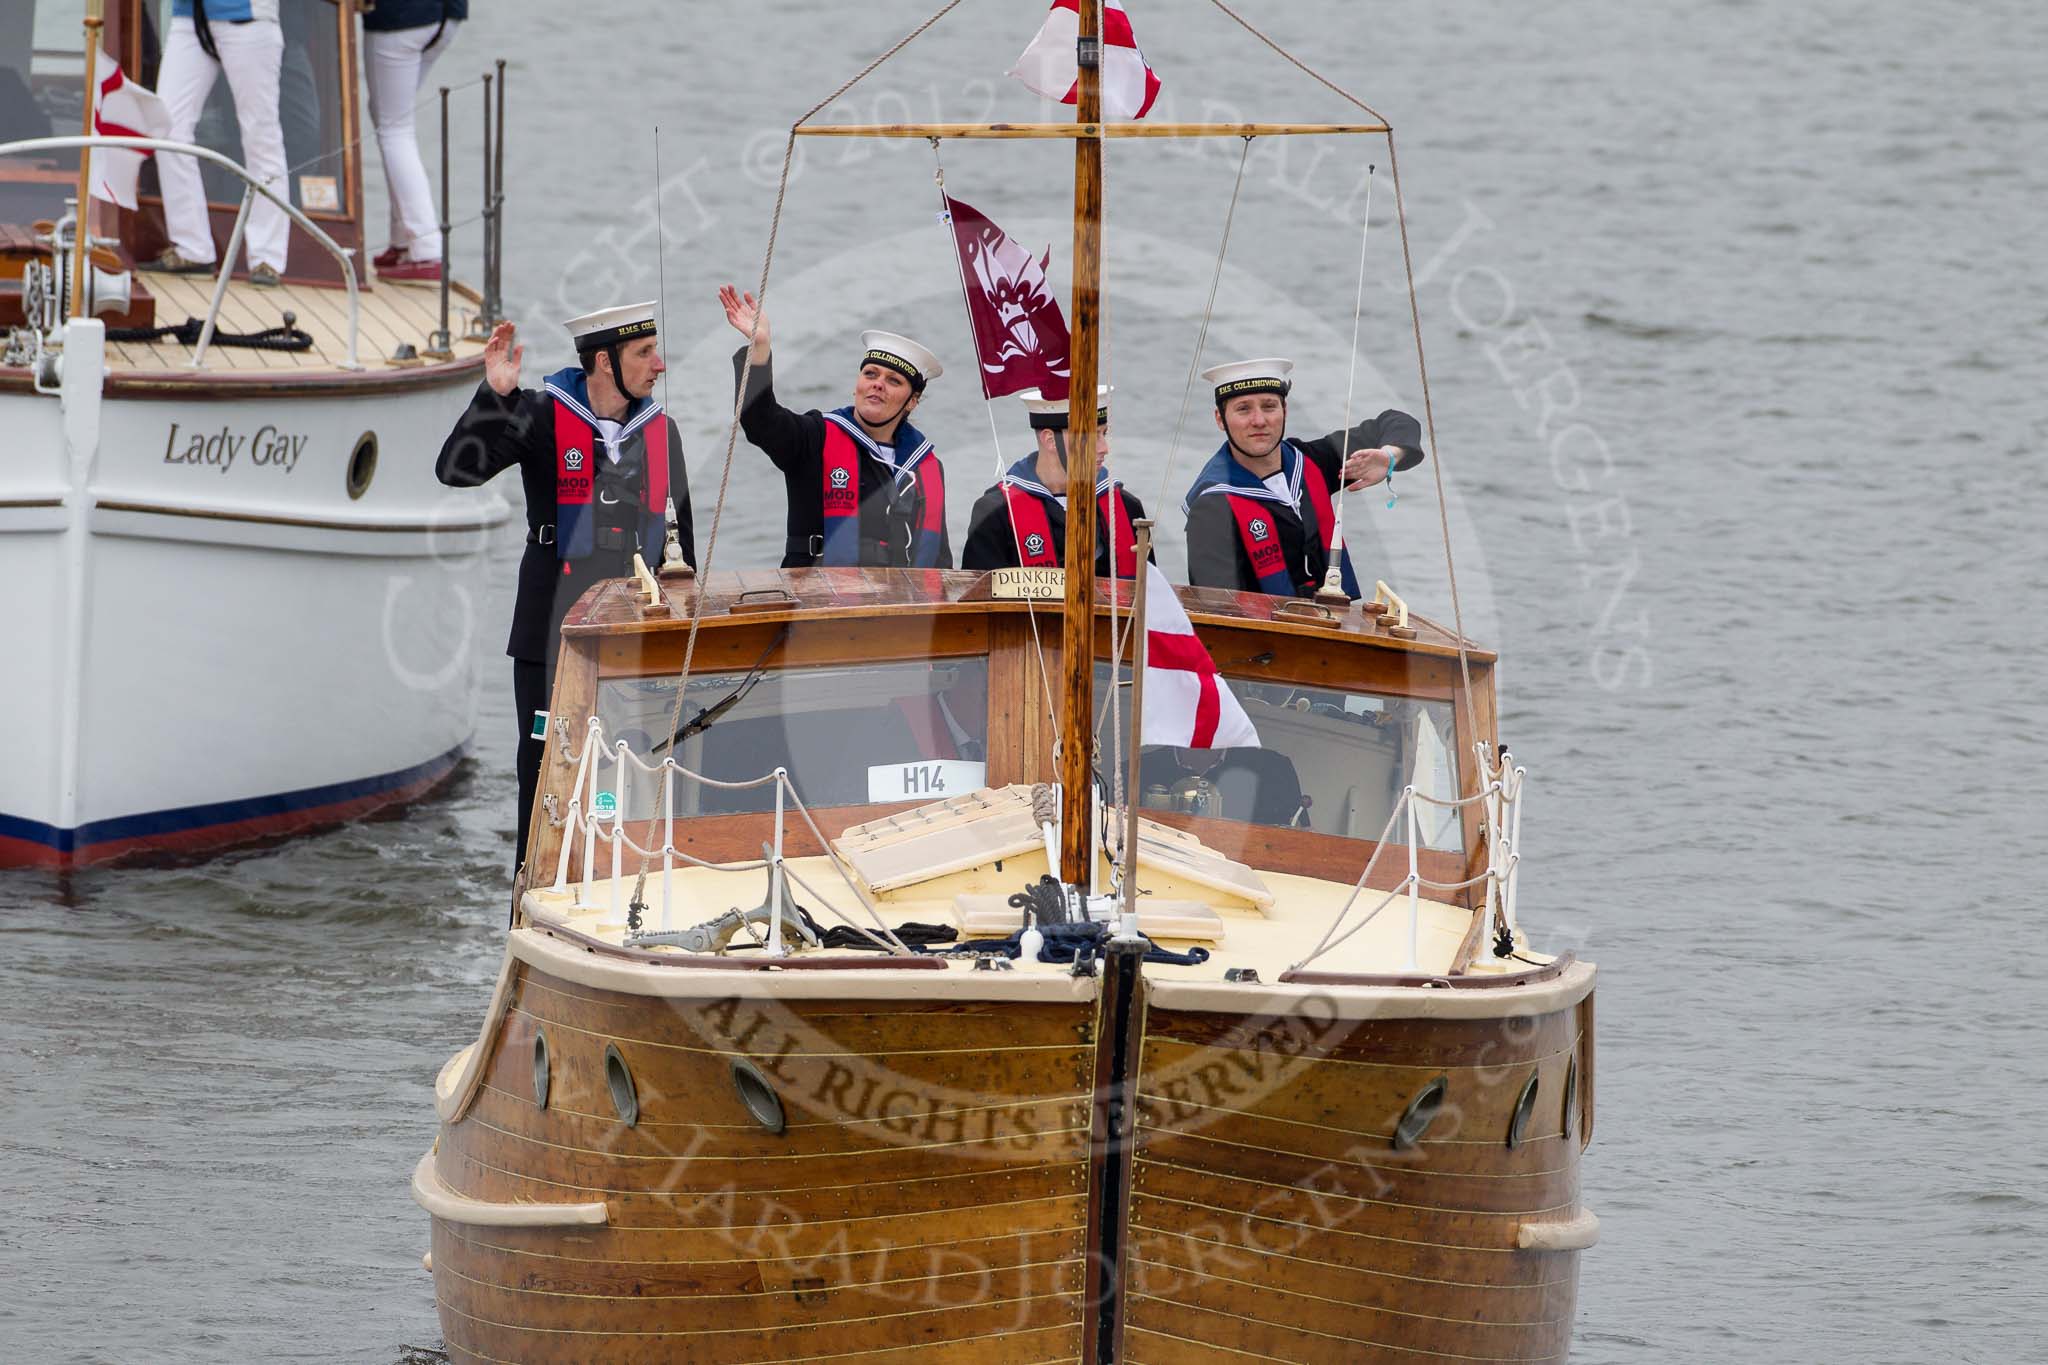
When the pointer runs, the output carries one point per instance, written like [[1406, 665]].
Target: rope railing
[[1500, 803], [583, 817]]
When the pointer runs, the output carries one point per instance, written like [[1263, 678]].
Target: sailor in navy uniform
[[602, 466], [864, 485], [1260, 513], [1022, 519]]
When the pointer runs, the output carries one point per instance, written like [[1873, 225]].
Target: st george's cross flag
[[1187, 705], [121, 108], [1019, 333], [1051, 67]]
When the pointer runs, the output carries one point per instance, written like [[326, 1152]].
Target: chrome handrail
[[227, 263]]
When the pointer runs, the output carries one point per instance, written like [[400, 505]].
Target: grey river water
[[1735, 316]]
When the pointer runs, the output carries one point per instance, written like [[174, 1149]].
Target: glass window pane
[[1331, 761], [849, 735]]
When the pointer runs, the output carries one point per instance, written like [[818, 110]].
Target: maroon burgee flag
[[1019, 330]]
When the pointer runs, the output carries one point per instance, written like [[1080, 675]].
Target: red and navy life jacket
[[1253, 506], [1033, 524], [576, 455], [845, 445]]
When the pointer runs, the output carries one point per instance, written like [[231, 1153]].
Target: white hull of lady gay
[[232, 609]]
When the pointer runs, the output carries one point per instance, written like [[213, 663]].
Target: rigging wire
[[732, 431], [1202, 335], [1333, 573], [1415, 319]]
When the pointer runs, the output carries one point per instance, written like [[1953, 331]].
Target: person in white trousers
[[397, 62], [248, 44]]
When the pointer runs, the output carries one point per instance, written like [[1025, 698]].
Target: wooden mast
[[1077, 651]]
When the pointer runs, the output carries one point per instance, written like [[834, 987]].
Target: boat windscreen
[[1330, 761], [848, 734]]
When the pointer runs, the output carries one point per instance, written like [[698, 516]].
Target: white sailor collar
[[1290, 465], [1103, 484], [875, 450], [647, 413]]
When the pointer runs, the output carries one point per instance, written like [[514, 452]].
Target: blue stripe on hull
[[189, 819]]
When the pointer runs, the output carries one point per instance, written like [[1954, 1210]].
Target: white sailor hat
[[594, 331], [1050, 414], [902, 355], [1240, 377]]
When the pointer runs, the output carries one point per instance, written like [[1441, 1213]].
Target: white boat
[[214, 549]]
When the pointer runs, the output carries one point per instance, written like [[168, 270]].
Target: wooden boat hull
[[1271, 1216], [929, 1199]]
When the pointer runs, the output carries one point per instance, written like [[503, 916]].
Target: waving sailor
[[602, 466], [1260, 512], [864, 485], [1022, 519]]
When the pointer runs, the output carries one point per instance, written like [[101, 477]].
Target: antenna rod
[[1077, 654]]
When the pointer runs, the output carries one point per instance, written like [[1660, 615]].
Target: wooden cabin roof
[[776, 595]]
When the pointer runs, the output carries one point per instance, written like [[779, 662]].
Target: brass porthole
[[1525, 1105], [1571, 1098], [619, 1078], [1420, 1113], [764, 1106], [540, 1069], [362, 464]]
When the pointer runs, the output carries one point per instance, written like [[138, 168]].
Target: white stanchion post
[[590, 815], [1414, 885], [575, 808], [618, 825], [1514, 859], [1494, 829], [775, 948], [668, 834]]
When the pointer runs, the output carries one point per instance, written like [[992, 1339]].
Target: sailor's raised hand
[[744, 313], [1364, 468], [502, 357]]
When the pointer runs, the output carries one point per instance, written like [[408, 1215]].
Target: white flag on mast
[[1050, 67], [121, 108], [1187, 704]]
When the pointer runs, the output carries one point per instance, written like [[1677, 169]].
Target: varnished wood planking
[[1185, 1086], [651, 1245], [1161, 1261], [1018, 1125], [1412, 1042], [817, 1300], [1312, 1234], [1358, 1208], [477, 1252], [1267, 1314], [1389, 1338], [998, 1334], [1363, 1171]]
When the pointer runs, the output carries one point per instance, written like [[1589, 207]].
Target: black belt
[[814, 546], [545, 535]]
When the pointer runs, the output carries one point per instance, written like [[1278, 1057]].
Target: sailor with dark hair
[[1022, 519], [602, 466], [865, 487], [1260, 513]]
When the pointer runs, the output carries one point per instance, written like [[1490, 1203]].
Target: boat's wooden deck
[[391, 314], [1268, 943]]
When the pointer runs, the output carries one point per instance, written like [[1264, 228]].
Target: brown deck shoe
[[172, 263], [265, 275]]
